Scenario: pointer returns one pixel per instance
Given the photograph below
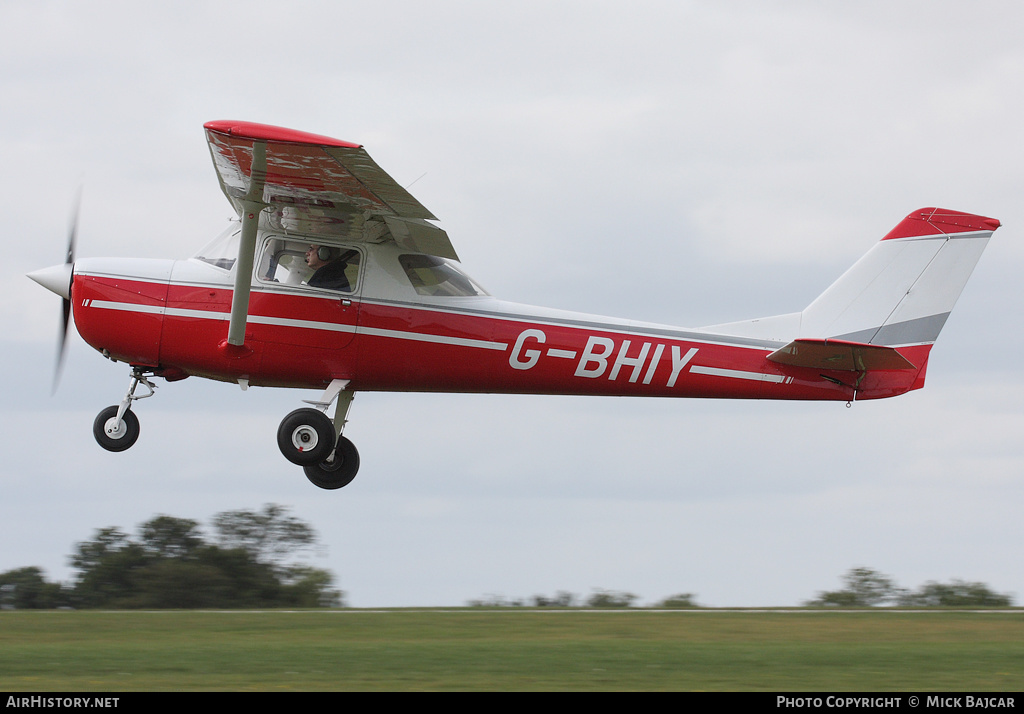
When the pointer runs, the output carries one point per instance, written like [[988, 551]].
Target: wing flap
[[840, 355], [420, 236]]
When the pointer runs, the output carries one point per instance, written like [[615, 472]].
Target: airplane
[[335, 278]]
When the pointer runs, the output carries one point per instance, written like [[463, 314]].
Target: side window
[[292, 262]]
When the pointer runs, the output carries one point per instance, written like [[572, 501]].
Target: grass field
[[520, 649]]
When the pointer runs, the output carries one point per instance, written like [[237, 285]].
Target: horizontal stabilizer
[[841, 355]]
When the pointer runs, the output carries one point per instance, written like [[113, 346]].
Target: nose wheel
[[309, 438], [116, 428], [115, 433]]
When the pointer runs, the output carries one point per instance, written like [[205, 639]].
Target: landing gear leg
[[329, 468], [116, 428], [340, 467]]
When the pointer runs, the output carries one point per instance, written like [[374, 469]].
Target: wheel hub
[[115, 428], [305, 438]]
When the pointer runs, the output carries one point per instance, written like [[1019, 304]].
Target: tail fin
[[901, 292]]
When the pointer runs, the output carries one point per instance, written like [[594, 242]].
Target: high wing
[[316, 185], [296, 182]]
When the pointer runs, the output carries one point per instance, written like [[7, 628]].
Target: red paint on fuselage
[[134, 339], [306, 341]]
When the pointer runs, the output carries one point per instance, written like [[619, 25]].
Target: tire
[[339, 472], [306, 437], [120, 438]]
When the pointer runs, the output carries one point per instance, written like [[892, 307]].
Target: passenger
[[329, 266]]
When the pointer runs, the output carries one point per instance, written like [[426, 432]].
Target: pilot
[[329, 266]]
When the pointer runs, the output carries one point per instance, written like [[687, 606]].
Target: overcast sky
[[677, 162]]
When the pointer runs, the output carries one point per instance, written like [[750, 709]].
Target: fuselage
[[408, 322]]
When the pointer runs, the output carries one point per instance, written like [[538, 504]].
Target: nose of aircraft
[[56, 279]]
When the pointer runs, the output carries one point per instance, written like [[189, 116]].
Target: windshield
[[430, 275], [222, 251]]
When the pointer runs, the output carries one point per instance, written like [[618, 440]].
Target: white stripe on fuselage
[[738, 374], [290, 322], [398, 334]]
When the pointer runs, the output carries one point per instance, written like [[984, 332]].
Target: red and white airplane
[[335, 278]]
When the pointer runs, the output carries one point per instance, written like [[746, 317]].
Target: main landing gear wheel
[[306, 437], [339, 470], [309, 438], [113, 434]]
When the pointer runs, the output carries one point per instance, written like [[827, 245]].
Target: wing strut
[[252, 205]]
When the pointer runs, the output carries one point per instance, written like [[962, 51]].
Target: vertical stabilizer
[[903, 289]]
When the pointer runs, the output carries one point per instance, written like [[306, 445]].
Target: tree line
[[869, 588], [249, 562], [864, 587], [600, 598]]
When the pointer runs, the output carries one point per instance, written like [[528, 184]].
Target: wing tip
[[268, 132]]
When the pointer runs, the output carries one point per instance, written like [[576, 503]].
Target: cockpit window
[[222, 251], [292, 262], [430, 275]]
